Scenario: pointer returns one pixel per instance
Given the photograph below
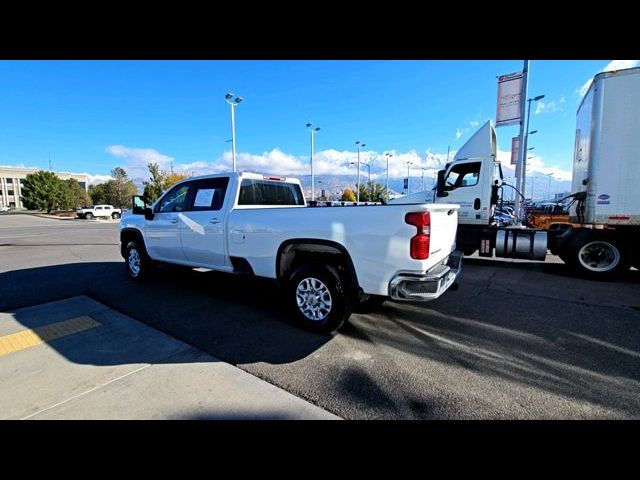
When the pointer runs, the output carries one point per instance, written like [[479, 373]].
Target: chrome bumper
[[427, 286]]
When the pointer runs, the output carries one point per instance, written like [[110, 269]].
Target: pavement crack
[[86, 392]]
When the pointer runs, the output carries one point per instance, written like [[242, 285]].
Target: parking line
[[37, 336]]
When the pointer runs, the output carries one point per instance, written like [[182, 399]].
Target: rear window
[[264, 192]]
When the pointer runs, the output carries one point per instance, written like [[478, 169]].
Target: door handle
[[174, 220], [214, 220]]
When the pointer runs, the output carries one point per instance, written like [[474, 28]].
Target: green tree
[[156, 184], [43, 190], [348, 195], [372, 192], [120, 189], [98, 193], [75, 195]]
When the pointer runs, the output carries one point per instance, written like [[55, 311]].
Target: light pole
[[233, 104], [358, 183], [320, 183], [550, 175], [388, 155], [408, 186], [526, 139], [312, 132], [422, 169]]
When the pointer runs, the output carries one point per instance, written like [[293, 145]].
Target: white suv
[[97, 211]]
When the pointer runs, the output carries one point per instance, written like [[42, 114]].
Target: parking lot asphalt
[[519, 340]]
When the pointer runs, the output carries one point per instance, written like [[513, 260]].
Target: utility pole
[[408, 186], [171, 167], [358, 183], [448, 150], [521, 151], [50, 167], [388, 155]]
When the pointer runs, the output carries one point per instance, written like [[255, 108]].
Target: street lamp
[[422, 169], [526, 139], [233, 104], [359, 144], [313, 130], [408, 189], [388, 155], [550, 175]]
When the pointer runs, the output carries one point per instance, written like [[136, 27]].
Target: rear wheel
[[137, 263], [88, 216], [317, 298], [596, 256]]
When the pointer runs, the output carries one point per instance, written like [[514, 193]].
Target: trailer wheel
[[598, 257]]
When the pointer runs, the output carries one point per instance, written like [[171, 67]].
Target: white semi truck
[[602, 237]]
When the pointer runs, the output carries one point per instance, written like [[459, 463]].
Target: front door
[[163, 232], [463, 185], [202, 226]]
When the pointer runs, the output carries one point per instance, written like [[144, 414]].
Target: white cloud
[[95, 179], [534, 165], [458, 133], [136, 159], [611, 66], [474, 123], [547, 107]]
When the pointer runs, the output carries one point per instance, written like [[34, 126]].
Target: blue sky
[[93, 115]]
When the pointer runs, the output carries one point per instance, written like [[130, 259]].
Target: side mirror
[[440, 185], [148, 213], [138, 205]]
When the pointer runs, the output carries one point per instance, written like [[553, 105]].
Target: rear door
[[202, 228]]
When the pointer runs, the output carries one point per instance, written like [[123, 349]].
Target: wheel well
[[130, 235], [295, 253]]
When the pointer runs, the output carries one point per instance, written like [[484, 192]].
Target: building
[[12, 178]]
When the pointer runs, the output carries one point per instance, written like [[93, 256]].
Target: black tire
[[88, 216], [330, 318], [370, 304], [145, 264], [115, 215], [596, 256]]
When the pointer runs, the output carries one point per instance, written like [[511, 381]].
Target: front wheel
[[137, 262], [88, 216], [115, 215], [317, 298]]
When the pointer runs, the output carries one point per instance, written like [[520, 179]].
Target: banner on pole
[[406, 183], [515, 146], [509, 93]]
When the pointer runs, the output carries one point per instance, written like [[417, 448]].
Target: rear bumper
[[429, 285]]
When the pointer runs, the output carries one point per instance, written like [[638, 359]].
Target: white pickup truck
[[97, 211], [330, 261]]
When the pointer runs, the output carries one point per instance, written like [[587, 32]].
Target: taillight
[[419, 246]]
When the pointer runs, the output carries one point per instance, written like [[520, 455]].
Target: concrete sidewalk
[[78, 359]]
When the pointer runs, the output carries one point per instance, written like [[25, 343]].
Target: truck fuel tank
[[521, 243]]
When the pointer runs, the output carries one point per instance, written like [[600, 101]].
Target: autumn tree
[[348, 195], [172, 179]]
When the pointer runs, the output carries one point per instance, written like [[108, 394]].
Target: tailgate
[[444, 225]]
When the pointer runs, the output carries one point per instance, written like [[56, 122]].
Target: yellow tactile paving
[[32, 337]]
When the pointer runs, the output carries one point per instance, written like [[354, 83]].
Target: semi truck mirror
[[440, 185]]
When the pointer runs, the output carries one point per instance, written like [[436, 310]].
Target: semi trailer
[[602, 237]]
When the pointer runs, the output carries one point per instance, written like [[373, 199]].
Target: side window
[[98, 208], [463, 175], [262, 192], [175, 200], [209, 194]]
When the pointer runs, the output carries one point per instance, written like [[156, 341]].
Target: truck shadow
[[238, 320]]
